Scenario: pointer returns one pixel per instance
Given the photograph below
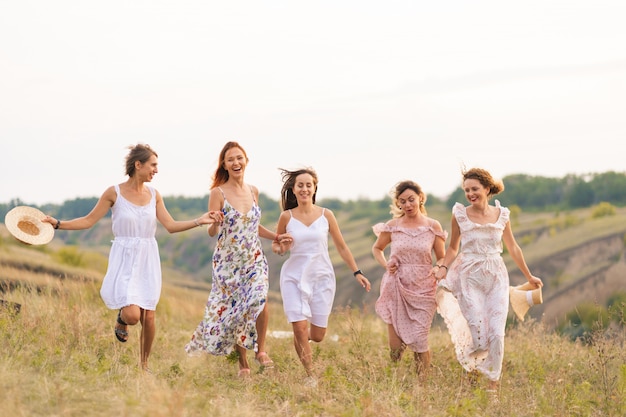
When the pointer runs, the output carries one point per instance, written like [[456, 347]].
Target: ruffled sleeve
[[505, 213], [460, 213], [382, 227], [443, 234]]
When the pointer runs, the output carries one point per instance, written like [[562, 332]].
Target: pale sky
[[366, 92]]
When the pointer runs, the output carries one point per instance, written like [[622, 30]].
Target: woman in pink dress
[[473, 295], [407, 291]]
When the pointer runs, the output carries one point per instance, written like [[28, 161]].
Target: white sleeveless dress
[[134, 272], [473, 299], [307, 278]]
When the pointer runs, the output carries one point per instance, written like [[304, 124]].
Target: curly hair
[[485, 178]]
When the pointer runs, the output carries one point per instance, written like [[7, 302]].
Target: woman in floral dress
[[238, 294]]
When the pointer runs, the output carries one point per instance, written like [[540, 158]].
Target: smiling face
[[475, 193], [304, 188], [147, 170], [235, 162]]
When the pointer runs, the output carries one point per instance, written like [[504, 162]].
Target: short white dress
[[307, 278], [134, 272], [473, 299]]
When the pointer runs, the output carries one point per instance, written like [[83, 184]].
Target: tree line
[[531, 193]]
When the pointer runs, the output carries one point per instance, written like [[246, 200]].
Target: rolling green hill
[[579, 256]]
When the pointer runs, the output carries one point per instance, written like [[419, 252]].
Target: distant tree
[[577, 192], [609, 186]]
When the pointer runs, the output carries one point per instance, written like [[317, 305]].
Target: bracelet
[[443, 266], [195, 221], [56, 226], [357, 272], [276, 238]]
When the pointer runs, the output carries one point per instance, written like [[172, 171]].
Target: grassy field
[[59, 357]]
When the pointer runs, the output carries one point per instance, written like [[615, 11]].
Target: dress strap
[[290, 214], [252, 193]]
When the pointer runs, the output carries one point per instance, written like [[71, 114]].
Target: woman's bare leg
[[148, 331], [396, 345]]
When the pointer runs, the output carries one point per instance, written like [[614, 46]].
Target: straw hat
[[25, 224], [523, 297]]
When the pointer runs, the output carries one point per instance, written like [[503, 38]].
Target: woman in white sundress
[[473, 293], [132, 284], [307, 278]]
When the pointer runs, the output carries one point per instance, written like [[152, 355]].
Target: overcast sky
[[366, 92]]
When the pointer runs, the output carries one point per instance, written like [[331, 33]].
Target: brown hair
[[484, 177], [288, 198], [401, 187], [139, 153], [221, 174]]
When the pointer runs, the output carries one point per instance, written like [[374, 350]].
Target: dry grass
[[59, 357]]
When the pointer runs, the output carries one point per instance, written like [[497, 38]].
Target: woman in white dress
[[473, 294], [307, 278], [132, 284]]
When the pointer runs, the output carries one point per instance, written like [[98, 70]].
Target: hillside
[[580, 258], [59, 357]]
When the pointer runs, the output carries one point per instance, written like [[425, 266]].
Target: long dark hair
[[287, 197]]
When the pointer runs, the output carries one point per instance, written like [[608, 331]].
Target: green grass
[[59, 357]]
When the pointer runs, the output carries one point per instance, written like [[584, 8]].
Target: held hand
[[284, 238], [276, 248], [439, 272], [215, 216], [282, 244]]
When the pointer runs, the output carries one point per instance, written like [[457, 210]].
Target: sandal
[[244, 373], [263, 359], [121, 334]]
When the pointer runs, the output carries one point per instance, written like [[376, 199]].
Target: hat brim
[[24, 223], [518, 297]]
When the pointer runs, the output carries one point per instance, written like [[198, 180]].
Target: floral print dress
[[239, 289]]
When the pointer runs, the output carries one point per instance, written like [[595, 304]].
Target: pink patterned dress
[[239, 289], [407, 298], [473, 299]]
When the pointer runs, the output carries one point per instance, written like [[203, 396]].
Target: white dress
[[307, 278], [134, 272], [473, 299]]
